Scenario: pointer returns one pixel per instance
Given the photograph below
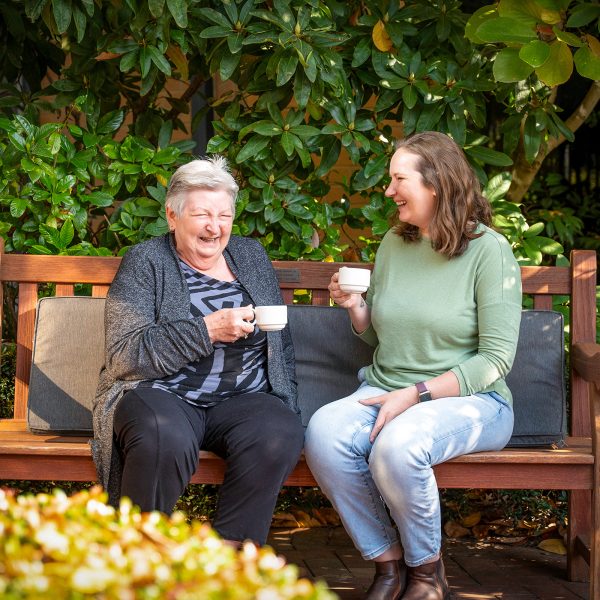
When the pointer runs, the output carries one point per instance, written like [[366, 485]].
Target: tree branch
[[524, 173], [192, 88]]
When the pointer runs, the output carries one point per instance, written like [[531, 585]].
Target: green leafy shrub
[[69, 190], [312, 82], [78, 547]]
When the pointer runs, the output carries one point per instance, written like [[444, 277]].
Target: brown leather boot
[[389, 582], [427, 582]]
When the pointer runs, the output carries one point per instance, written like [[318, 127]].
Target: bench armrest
[[585, 359]]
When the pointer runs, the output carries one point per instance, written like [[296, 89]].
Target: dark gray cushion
[[68, 353], [329, 355], [537, 381]]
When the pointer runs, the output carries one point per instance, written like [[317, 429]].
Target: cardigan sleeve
[[139, 344]]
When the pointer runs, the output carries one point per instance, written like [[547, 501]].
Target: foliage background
[[312, 82]]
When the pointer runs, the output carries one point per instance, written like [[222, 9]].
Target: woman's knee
[[333, 422], [286, 434], [148, 427], [392, 452]]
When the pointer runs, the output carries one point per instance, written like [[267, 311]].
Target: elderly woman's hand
[[230, 324]]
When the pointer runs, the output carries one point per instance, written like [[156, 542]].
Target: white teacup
[[270, 318], [353, 280]]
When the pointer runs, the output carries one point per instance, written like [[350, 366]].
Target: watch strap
[[424, 393]]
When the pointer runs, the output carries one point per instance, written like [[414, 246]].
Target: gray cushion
[[537, 381], [68, 353], [329, 355]]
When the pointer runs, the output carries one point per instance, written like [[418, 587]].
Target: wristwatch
[[424, 393]]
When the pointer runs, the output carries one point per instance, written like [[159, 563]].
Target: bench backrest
[[28, 272]]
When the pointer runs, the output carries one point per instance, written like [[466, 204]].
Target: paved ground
[[476, 570]]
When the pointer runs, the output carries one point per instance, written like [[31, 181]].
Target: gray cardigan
[[149, 333]]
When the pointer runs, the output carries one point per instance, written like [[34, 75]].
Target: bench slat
[[72, 462], [25, 329]]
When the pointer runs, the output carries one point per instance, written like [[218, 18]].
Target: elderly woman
[[186, 369]]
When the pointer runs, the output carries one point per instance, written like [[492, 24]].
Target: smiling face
[[203, 229], [416, 202]]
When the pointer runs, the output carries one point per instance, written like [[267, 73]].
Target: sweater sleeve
[[139, 345], [498, 297]]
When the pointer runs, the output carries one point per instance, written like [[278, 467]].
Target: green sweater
[[431, 314]]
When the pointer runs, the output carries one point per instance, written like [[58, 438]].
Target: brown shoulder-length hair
[[460, 205]]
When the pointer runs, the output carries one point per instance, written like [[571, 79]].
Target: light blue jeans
[[361, 478]]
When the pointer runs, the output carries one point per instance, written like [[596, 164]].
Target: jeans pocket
[[495, 396]]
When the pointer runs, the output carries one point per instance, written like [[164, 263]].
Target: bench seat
[[51, 457]]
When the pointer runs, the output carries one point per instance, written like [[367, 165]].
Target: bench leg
[[580, 527]]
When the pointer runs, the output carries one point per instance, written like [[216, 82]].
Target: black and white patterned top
[[233, 368]]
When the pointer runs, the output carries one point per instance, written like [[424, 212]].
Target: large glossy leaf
[[178, 8], [266, 128], [215, 31], [535, 53], [505, 30], [362, 52], [409, 96], [254, 145], [214, 16], [508, 66], [302, 89], [156, 7], [34, 8], [532, 138], [305, 130], [568, 38], [228, 65], [145, 61], [559, 67], [98, 198], [62, 11], [110, 122], [158, 58], [286, 68], [235, 42], [476, 20], [587, 63], [489, 156], [381, 39], [329, 155], [583, 14], [530, 11], [80, 21]]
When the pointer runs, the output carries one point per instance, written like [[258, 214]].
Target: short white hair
[[202, 174]]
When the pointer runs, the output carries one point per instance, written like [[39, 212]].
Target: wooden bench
[[575, 467]]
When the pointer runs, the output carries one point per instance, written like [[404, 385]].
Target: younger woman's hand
[[392, 404], [340, 297]]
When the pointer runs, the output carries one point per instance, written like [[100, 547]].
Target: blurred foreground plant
[[78, 547]]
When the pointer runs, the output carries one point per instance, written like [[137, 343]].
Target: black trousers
[[159, 436]]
